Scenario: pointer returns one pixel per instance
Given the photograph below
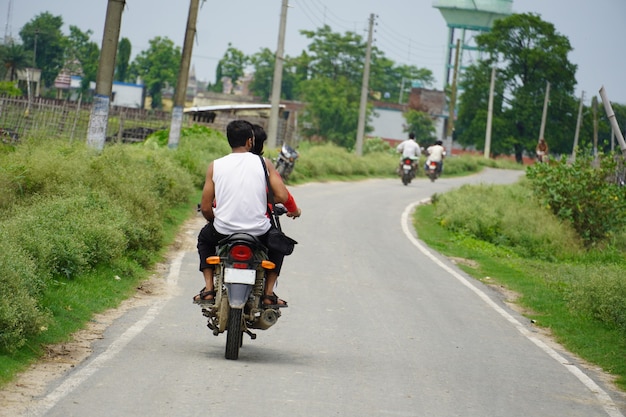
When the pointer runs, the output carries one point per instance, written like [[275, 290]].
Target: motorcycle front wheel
[[233, 334]]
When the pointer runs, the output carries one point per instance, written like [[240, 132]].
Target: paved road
[[377, 326]]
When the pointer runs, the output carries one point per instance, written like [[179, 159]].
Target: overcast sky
[[408, 32]]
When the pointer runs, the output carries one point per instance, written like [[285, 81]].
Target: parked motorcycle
[[240, 267], [432, 170], [408, 171], [286, 161]]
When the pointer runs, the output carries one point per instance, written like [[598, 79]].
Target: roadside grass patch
[[578, 294]]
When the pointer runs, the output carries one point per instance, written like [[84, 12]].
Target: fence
[[20, 117], [65, 119]]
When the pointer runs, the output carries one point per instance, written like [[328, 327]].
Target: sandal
[[275, 302], [201, 297]]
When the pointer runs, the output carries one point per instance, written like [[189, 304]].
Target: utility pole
[[594, 109], [614, 126], [578, 124], [452, 99], [99, 118], [545, 111], [183, 76], [490, 113], [360, 132], [272, 128]]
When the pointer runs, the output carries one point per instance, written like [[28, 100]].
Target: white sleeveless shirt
[[240, 194]]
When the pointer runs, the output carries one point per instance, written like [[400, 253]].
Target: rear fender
[[238, 294]]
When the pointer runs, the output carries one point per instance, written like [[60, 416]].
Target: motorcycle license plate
[[239, 276], [406, 167]]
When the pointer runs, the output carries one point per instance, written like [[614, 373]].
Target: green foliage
[[421, 124], [82, 56], [377, 145], [528, 52], [14, 57], [44, 31], [8, 88], [492, 214], [582, 195], [158, 67], [20, 313], [122, 60], [332, 110], [601, 294], [577, 293]]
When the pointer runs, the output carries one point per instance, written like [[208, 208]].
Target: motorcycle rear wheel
[[406, 178], [233, 334]]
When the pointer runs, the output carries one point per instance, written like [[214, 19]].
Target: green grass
[[546, 288]]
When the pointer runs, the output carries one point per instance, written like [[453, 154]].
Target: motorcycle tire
[[233, 334], [406, 179]]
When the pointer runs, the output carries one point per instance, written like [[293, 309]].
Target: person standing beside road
[[410, 149], [237, 185]]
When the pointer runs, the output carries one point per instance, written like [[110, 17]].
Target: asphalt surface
[[377, 325]]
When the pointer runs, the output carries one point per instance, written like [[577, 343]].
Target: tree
[[82, 56], [14, 58], [263, 64], [528, 52], [232, 65], [122, 63], [158, 66], [421, 124], [332, 109], [43, 36]]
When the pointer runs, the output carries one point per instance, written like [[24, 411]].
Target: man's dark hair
[[259, 138], [411, 135], [238, 132]]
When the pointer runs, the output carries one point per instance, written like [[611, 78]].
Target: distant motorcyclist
[[410, 149], [436, 153]]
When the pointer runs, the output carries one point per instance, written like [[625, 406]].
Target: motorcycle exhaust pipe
[[268, 318]]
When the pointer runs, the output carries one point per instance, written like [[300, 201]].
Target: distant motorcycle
[[407, 172], [286, 161], [432, 170]]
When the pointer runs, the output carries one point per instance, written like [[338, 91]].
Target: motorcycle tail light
[[408, 161], [241, 253]]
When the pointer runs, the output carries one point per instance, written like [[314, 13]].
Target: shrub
[[582, 195], [601, 294], [508, 217], [20, 315]]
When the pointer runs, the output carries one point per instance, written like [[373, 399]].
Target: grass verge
[[544, 289]]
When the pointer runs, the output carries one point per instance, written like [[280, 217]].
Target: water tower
[[465, 20]]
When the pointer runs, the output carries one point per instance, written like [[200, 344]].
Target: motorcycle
[[286, 161], [240, 266], [408, 171], [432, 170]]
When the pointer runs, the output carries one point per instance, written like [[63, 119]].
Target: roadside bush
[[583, 195], [601, 294], [198, 147], [20, 284], [68, 235], [377, 145], [506, 216]]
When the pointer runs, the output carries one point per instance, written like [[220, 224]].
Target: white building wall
[[388, 124]]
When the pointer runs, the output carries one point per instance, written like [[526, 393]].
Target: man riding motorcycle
[[410, 149], [436, 153]]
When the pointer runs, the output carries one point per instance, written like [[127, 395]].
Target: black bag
[[280, 242], [276, 239]]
